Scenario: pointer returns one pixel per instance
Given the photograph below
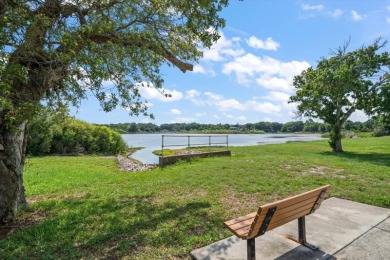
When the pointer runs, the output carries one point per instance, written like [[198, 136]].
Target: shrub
[[49, 134]]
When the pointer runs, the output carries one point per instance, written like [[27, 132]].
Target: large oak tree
[[55, 52], [342, 84]]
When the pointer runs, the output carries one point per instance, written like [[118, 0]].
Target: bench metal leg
[[302, 234], [251, 249]]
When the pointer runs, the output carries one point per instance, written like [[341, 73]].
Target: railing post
[[162, 145], [227, 143]]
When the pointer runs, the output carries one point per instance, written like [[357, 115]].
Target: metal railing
[[189, 144]]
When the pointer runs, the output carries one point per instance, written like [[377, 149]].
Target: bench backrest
[[283, 211]]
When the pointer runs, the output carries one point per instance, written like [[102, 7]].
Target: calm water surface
[[153, 142]]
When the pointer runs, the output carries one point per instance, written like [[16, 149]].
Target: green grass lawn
[[84, 207]]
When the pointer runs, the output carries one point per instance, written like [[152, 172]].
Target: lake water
[[153, 142]]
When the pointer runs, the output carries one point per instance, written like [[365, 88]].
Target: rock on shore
[[132, 165]]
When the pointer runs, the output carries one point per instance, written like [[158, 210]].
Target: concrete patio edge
[[342, 229]]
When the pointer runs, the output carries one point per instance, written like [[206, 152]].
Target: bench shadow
[[381, 159], [303, 253], [217, 250], [220, 250]]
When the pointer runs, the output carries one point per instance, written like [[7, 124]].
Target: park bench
[[275, 214]]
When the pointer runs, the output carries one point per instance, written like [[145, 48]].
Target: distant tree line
[[380, 127], [60, 134]]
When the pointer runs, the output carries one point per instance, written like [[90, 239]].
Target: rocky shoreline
[[131, 165]]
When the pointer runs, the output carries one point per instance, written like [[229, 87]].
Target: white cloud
[[149, 92], [359, 116], [222, 48], [223, 104], [307, 7], [315, 10], [265, 71], [274, 83], [268, 44], [242, 118], [289, 106], [229, 104], [355, 16], [213, 96], [336, 13], [277, 96], [243, 67], [388, 7], [192, 93], [264, 107], [216, 116], [388, 19], [199, 69], [175, 111]]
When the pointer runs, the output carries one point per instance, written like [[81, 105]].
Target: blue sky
[[246, 76]]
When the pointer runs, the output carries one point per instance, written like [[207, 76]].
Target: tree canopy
[[58, 52], [342, 84], [63, 49]]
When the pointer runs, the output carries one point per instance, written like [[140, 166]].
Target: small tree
[[342, 84]]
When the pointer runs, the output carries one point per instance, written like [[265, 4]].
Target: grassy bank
[[84, 207]]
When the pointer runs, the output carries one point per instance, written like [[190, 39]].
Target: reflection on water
[[152, 142]]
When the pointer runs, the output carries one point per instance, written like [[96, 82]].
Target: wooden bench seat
[[275, 214]]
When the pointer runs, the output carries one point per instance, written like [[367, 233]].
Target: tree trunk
[[13, 143], [335, 139]]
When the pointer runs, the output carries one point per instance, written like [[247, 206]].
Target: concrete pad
[[385, 225], [333, 227], [375, 244]]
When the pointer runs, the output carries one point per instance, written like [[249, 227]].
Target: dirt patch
[[29, 219], [316, 170]]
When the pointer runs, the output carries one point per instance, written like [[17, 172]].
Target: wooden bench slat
[[288, 219], [241, 224], [280, 223], [275, 214], [245, 221], [288, 209], [290, 203], [242, 233], [280, 213], [292, 200], [285, 206], [280, 219], [240, 219]]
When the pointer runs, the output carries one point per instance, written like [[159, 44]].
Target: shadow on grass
[[381, 159], [99, 228]]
